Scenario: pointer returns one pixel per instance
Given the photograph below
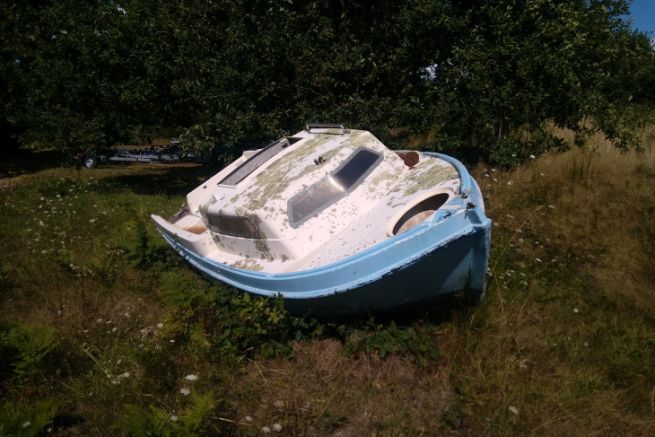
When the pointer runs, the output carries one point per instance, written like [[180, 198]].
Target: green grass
[[102, 324]]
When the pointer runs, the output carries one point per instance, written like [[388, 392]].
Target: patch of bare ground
[[321, 391]]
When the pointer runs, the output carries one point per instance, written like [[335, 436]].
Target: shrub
[[25, 346], [155, 421]]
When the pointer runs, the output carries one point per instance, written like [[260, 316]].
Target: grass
[[104, 331]]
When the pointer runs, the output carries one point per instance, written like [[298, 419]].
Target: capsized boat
[[334, 222]]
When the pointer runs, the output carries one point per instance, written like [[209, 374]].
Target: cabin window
[[255, 161], [333, 187], [234, 226]]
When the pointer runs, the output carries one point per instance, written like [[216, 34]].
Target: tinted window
[[233, 226], [356, 167], [313, 200], [333, 187]]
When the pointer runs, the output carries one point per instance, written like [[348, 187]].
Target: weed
[[155, 421], [417, 341], [25, 346], [242, 325], [27, 418]]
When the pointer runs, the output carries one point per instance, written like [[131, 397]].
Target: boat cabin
[[310, 199]]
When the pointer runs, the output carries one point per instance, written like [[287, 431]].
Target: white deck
[[364, 217]]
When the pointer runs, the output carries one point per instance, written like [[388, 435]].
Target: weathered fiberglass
[[333, 221]]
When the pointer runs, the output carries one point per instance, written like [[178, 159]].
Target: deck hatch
[[319, 196], [253, 163]]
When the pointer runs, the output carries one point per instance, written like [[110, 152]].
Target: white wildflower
[[248, 418], [277, 427], [160, 325], [26, 424], [513, 410], [191, 377], [532, 157], [575, 310], [185, 391], [173, 418], [266, 430]]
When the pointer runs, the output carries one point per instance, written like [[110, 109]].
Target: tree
[[482, 78]]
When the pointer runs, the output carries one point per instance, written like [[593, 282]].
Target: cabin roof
[[255, 209]]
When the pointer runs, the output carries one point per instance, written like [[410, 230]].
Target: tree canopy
[[475, 77]]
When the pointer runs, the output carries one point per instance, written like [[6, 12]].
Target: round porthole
[[418, 213]]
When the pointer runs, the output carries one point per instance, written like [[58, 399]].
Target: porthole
[[418, 213]]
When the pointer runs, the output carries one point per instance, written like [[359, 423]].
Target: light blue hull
[[445, 254]]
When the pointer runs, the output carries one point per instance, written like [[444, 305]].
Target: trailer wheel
[[90, 162]]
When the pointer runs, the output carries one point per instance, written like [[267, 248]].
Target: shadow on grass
[[21, 161], [436, 310], [166, 179]]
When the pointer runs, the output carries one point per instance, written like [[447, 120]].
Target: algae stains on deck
[[260, 238], [429, 173], [275, 179], [385, 181], [247, 264]]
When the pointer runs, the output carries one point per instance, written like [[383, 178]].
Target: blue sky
[[642, 13]]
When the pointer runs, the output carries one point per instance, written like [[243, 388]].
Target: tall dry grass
[[564, 342]]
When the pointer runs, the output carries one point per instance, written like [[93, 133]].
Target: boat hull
[[446, 254]]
